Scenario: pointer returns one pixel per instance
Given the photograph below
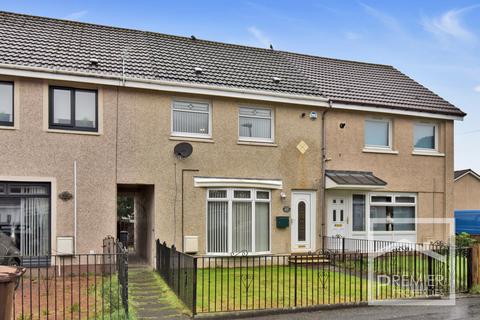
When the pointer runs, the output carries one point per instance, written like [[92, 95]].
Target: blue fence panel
[[467, 221]]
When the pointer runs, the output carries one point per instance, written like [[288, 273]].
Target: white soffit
[[208, 182], [330, 184]]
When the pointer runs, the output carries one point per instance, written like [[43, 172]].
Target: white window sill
[[192, 139], [257, 143], [428, 153], [86, 133], [8, 128], [379, 150]]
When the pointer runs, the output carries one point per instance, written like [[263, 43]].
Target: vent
[[198, 70], [276, 79]]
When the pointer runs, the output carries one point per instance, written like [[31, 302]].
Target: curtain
[[217, 225], [262, 226], [242, 226], [190, 122]]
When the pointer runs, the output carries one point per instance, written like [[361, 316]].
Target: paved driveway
[[465, 308]]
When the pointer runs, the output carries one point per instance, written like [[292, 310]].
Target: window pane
[[62, 107], [376, 133], [405, 199], [262, 226], [2, 189], [424, 136], [6, 102], [242, 226], [241, 194], [255, 123], [358, 212], [301, 232], [217, 193], [381, 199], [28, 190], [24, 222], [85, 109], [190, 106], [217, 227], [190, 122], [255, 128], [263, 195], [378, 218], [407, 216]]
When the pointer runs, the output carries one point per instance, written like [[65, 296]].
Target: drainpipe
[[75, 206], [324, 165], [183, 216]]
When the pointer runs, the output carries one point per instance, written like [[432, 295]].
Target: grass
[[112, 305], [273, 286]]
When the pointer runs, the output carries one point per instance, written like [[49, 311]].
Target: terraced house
[[226, 148]]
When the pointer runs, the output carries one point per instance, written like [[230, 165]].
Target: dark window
[[302, 221], [358, 212], [73, 109], [6, 104]]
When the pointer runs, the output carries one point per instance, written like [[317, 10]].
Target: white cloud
[[450, 25], [349, 35], [76, 15], [387, 20], [477, 88], [260, 36]]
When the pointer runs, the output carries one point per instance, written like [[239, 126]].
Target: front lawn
[[283, 286]]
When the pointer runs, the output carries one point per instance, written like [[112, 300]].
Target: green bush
[[464, 240]]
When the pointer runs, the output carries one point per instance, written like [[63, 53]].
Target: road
[[465, 308]]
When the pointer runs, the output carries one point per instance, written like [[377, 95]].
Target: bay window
[[238, 220], [392, 212]]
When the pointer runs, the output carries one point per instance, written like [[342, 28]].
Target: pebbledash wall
[[134, 146]]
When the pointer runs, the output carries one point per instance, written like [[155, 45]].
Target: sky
[[436, 42]]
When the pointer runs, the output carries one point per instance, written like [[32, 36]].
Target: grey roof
[[366, 178], [68, 46], [459, 173]]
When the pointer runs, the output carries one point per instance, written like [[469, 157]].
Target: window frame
[[389, 147], [72, 126], [48, 195], [10, 124], [256, 139], [174, 133], [393, 203], [230, 199], [435, 140]]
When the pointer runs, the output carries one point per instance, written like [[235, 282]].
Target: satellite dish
[[183, 150]]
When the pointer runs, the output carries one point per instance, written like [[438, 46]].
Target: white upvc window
[[191, 119], [425, 137], [238, 220], [256, 124], [393, 212], [378, 134]]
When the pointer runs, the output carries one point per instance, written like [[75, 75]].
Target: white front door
[[337, 216], [303, 220]]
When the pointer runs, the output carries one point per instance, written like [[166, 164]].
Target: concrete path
[[149, 297]]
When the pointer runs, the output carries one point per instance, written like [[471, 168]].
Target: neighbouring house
[[274, 150], [466, 190]]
